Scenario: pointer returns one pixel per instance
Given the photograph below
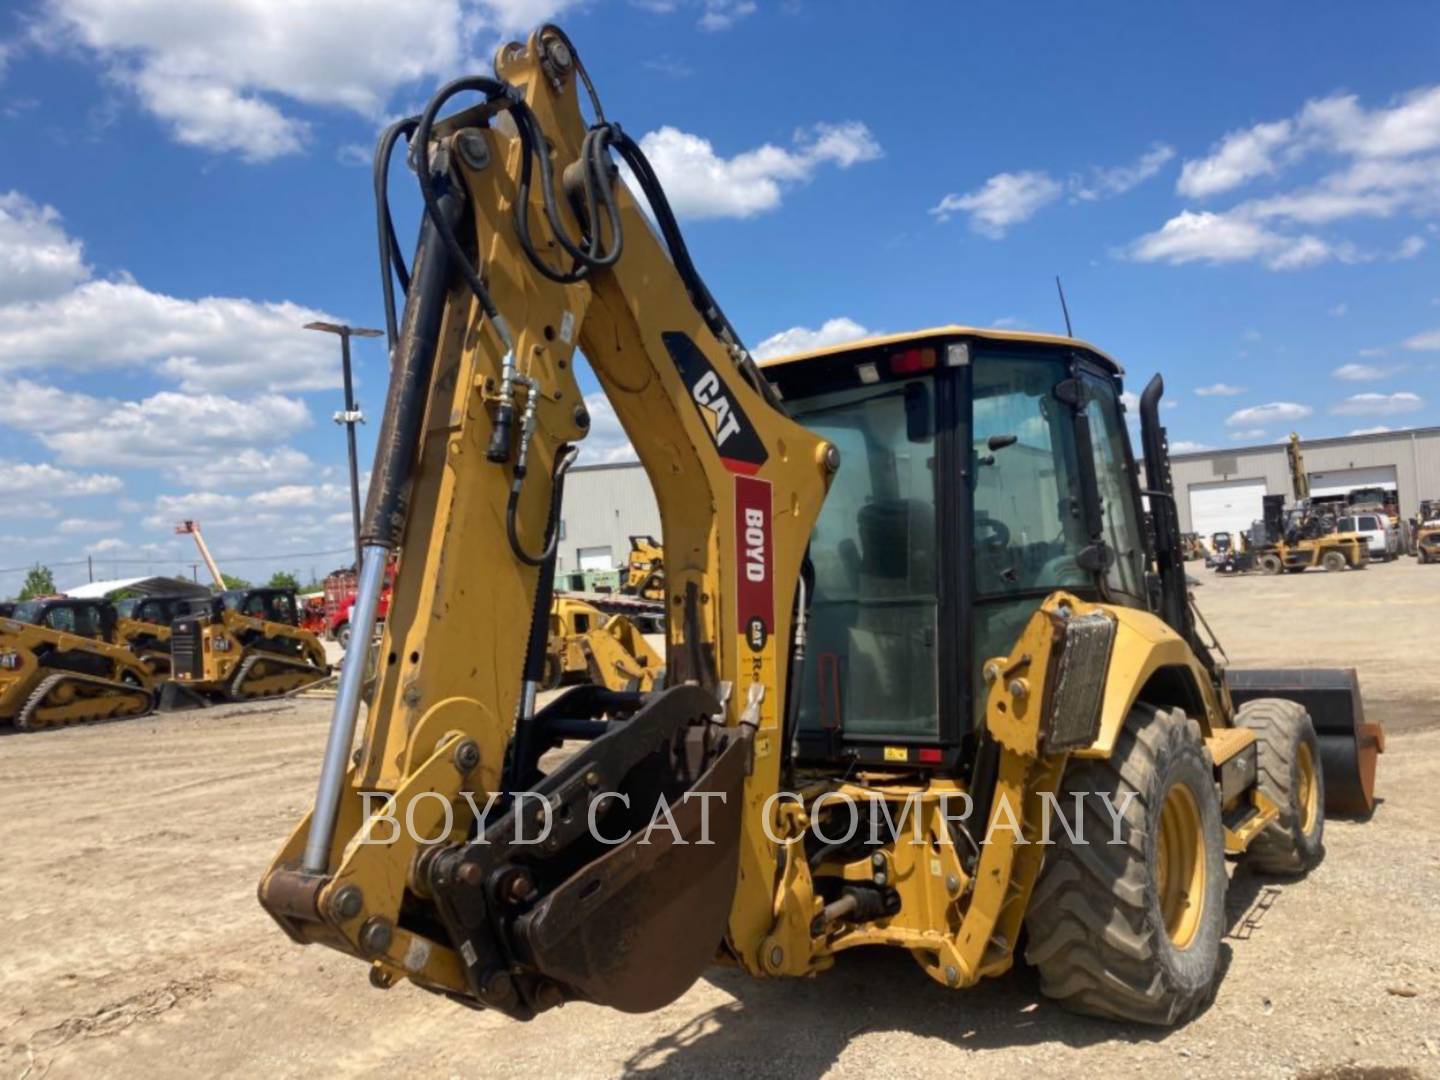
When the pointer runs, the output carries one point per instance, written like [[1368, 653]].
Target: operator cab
[[160, 610], [84, 618], [271, 605], [979, 472]]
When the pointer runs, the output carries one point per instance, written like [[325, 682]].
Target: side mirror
[[919, 420]]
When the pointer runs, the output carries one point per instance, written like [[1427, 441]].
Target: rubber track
[[38, 695]]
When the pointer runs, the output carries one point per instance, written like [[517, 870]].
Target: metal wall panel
[[1413, 454], [604, 506]]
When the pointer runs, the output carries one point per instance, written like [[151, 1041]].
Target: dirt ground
[[131, 942]]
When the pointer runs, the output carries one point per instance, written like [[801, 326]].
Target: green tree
[[283, 579], [234, 582], [38, 582]]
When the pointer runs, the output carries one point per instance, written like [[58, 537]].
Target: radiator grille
[[1080, 681], [185, 651]]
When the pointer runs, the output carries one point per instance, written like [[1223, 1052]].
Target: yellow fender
[[1150, 661]]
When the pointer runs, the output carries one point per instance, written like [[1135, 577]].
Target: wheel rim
[[1307, 792], [1180, 866]]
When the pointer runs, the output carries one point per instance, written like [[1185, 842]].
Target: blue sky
[[1244, 197]]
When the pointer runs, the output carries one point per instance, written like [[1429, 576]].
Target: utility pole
[[351, 415], [90, 564]]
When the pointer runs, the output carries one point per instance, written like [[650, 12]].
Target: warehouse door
[[1226, 506], [595, 558], [1344, 481]]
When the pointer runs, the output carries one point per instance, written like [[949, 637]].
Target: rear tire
[[1271, 564], [1333, 561], [1131, 931], [1291, 776]]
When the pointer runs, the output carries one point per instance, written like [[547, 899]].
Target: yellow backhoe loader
[[645, 569], [248, 644], [61, 663], [878, 704], [588, 645]]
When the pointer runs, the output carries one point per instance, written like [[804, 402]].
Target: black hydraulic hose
[[398, 444], [392, 259], [493, 89], [563, 461]]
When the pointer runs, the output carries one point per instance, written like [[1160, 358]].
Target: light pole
[[351, 416]]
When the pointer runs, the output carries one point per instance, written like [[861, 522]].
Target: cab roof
[[934, 333]]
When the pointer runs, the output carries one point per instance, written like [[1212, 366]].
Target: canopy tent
[[146, 586]]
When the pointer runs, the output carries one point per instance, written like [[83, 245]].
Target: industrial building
[[1222, 490], [1217, 490], [604, 506]]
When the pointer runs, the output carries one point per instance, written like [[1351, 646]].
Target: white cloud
[[701, 184], [106, 546], [223, 73], [80, 526], [1103, 181], [606, 441], [723, 14], [60, 317], [1004, 200], [1238, 157], [1248, 434], [1364, 372], [248, 468], [1219, 389], [1388, 167], [1409, 247], [27, 478], [1427, 341], [1186, 446], [1340, 310], [165, 429], [1372, 404], [301, 496], [1276, 412], [37, 258], [1204, 236], [835, 331], [1378, 429]]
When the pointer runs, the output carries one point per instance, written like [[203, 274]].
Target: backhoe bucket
[[622, 905], [1349, 746]]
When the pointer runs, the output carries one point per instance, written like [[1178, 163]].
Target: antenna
[[1061, 290]]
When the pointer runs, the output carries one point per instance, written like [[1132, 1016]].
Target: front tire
[[1291, 776], [1131, 931], [342, 636], [1333, 561], [1271, 564]]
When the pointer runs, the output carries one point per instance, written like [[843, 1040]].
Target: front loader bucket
[[176, 697], [1349, 746]]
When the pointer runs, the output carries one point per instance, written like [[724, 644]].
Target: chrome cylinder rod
[[347, 710]]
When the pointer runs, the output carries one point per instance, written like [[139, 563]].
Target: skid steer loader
[[62, 663], [878, 706], [247, 645]]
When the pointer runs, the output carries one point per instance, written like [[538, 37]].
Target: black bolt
[[375, 935], [467, 756], [582, 418], [347, 903]]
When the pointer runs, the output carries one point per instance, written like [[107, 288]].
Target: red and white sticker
[[755, 551]]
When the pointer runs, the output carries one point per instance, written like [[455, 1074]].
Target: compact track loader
[[61, 663], [248, 644], [931, 683], [144, 627]]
